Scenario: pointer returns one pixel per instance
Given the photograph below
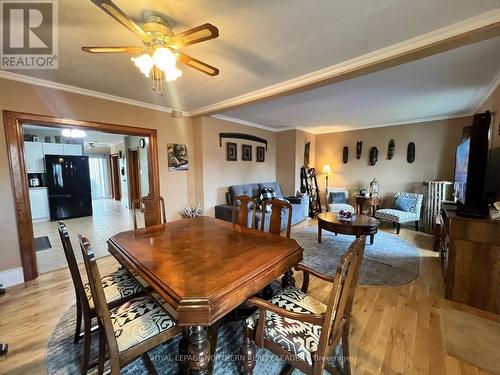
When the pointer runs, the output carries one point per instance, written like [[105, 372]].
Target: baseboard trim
[[11, 277]]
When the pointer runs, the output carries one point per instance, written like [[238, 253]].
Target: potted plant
[[359, 190], [193, 210]]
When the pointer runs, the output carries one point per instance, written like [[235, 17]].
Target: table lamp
[[326, 170]]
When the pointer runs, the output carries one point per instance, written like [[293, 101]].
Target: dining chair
[[277, 207], [118, 286], [129, 330], [241, 206], [153, 209], [275, 212], [301, 329]]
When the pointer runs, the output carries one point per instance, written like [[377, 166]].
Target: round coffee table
[[362, 225]]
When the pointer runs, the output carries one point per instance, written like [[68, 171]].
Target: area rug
[[472, 339], [64, 357], [390, 261]]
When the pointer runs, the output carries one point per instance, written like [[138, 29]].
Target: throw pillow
[[265, 195], [403, 204], [337, 198]]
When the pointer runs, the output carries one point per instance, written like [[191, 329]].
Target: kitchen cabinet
[[33, 156], [39, 203], [53, 149], [74, 150]]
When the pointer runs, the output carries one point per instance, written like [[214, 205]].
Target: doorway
[[15, 136], [134, 178], [116, 192]]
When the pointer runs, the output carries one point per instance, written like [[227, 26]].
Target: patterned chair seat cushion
[[298, 338], [392, 215], [138, 320], [118, 285], [337, 207]]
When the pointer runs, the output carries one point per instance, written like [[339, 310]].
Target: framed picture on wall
[[177, 157], [231, 151], [260, 154], [246, 152]]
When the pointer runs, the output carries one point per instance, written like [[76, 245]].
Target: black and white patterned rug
[[390, 261]]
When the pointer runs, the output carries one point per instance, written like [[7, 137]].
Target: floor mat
[[42, 243]]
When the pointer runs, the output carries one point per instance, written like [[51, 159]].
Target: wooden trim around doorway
[[14, 136]]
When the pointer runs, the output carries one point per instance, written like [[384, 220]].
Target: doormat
[[42, 243]]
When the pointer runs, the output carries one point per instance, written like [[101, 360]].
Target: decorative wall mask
[[390, 150], [307, 150], [410, 154], [359, 148], [373, 156], [345, 154]]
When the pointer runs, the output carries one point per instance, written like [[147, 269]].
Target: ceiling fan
[[158, 57]]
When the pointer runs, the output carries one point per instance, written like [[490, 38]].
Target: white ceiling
[[261, 42], [99, 138], [447, 84]]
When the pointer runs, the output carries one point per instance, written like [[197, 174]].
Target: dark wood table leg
[[288, 279], [372, 237], [319, 232], [199, 351]]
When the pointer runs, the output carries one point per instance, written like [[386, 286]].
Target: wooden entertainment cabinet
[[470, 255]]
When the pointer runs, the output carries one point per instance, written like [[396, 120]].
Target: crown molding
[[477, 28], [325, 130], [78, 90], [491, 89], [247, 123]]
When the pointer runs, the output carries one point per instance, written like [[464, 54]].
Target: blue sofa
[[299, 204]]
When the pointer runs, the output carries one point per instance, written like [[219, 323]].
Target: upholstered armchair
[[406, 209], [336, 200]]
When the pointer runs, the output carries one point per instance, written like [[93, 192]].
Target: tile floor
[[109, 217]]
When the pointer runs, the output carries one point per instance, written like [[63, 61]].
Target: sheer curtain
[[99, 176]]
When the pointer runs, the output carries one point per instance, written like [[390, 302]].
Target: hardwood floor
[[395, 330]]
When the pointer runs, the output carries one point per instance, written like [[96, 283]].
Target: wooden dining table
[[204, 268]]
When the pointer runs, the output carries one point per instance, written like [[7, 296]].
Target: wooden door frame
[[131, 178], [115, 190], [14, 135]]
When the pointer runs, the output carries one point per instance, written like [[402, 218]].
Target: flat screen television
[[461, 169], [471, 165]]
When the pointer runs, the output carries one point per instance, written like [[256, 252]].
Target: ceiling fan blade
[[110, 8], [197, 64], [114, 49], [195, 35]]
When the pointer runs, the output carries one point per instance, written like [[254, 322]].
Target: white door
[[39, 203], [75, 150], [53, 149], [33, 156]]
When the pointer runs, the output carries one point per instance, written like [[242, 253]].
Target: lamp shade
[[326, 168]]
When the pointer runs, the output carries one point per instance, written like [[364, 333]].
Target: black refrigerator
[[68, 183]]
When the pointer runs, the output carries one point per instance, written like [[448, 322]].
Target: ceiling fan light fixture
[[165, 60], [144, 62]]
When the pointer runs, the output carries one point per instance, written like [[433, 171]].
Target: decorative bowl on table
[[345, 215]]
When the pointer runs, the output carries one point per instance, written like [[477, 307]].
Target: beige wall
[[285, 160], [177, 187], [290, 158], [435, 155], [218, 174]]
